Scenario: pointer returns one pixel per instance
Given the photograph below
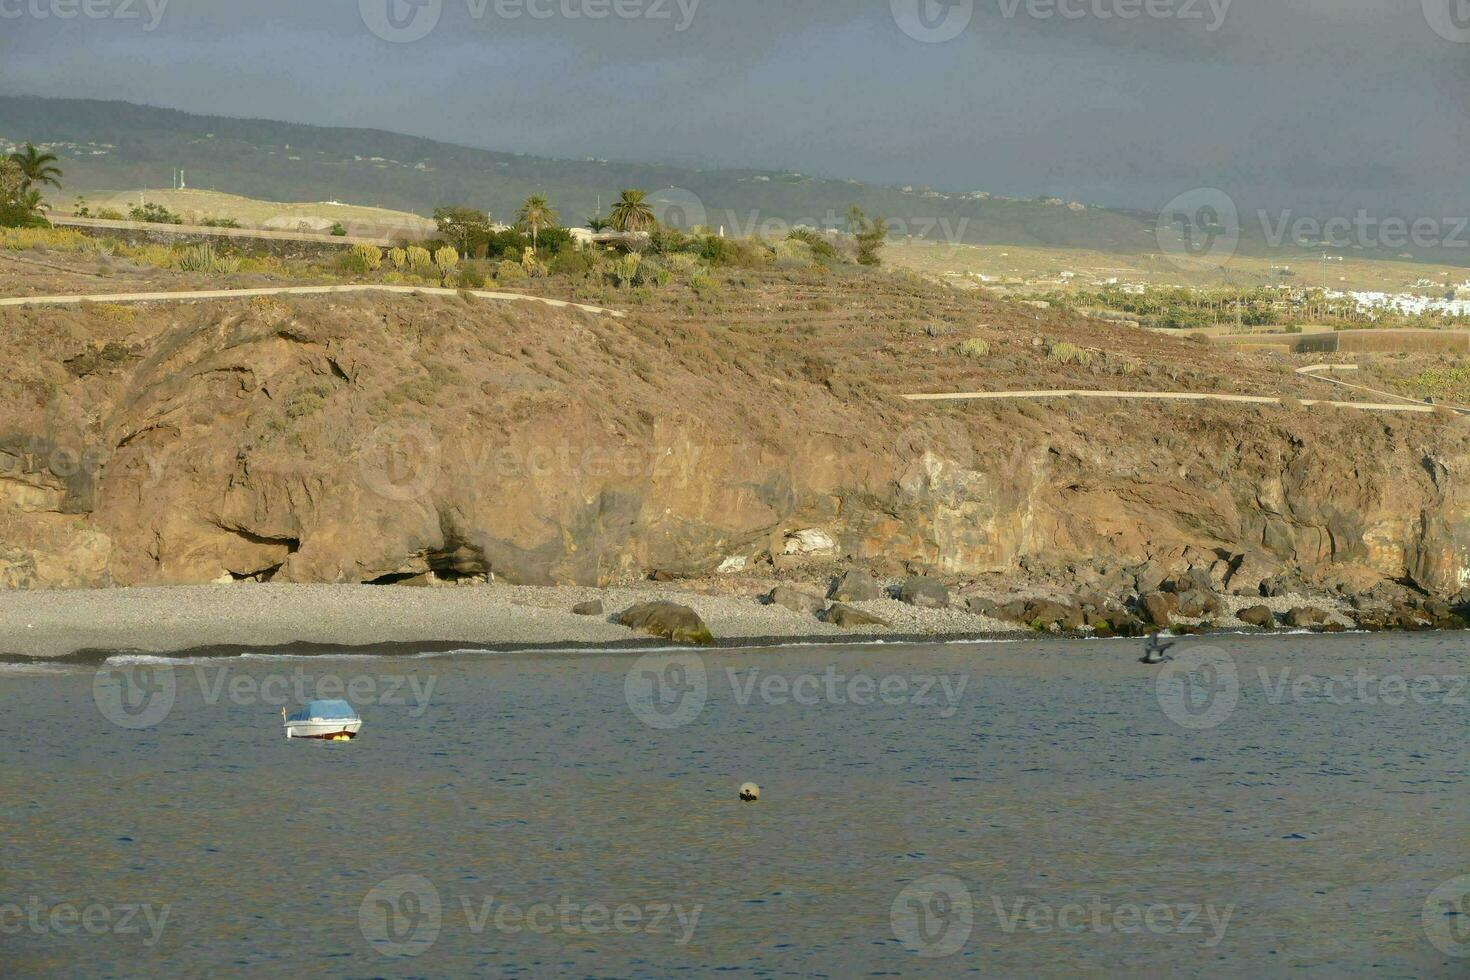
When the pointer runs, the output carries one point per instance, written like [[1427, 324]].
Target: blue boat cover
[[325, 710]]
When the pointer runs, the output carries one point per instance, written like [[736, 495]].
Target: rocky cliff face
[[370, 440]]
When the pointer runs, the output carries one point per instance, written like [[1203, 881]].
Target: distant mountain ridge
[[119, 145], [123, 146]]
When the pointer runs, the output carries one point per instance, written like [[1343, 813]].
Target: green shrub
[[820, 246], [508, 271], [576, 265], [792, 253], [1069, 353], [420, 262], [684, 264], [627, 269], [531, 265], [202, 258], [651, 273], [398, 257], [446, 259], [975, 348], [741, 253], [664, 240], [154, 214], [470, 276], [704, 285], [110, 214], [370, 255], [338, 231], [220, 223]]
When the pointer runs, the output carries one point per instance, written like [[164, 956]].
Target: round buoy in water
[[750, 792]]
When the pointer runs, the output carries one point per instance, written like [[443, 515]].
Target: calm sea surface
[[1267, 807]]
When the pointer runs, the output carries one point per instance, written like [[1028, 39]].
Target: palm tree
[[631, 212], [37, 166], [535, 214]]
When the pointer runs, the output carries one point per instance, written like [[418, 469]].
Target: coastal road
[[203, 294], [1179, 396]]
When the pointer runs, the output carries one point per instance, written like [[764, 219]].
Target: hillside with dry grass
[[368, 438]]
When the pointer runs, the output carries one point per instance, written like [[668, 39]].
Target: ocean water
[[1295, 805]]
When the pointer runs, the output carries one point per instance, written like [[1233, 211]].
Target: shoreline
[[86, 626]]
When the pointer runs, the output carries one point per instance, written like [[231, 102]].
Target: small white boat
[[331, 721]]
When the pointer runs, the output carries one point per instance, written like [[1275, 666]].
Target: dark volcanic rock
[[669, 620], [1158, 608], [796, 600], [856, 586], [926, 593], [1261, 616], [1305, 617], [847, 617], [1200, 603], [979, 606]]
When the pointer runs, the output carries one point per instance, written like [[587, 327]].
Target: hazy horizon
[[1274, 103]]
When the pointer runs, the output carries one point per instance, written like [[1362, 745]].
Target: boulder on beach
[[856, 586], [1305, 617], [592, 608], [1261, 616], [847, 617], [1158, 608], [926, 593], [980, 606], [796, 600], [1049, 614], [1200, 603], [668, 620]]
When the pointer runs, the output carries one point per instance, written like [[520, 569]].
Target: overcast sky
[[1333, 104]]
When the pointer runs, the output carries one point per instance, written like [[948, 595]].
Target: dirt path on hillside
[[183, 296], [1189, 396]]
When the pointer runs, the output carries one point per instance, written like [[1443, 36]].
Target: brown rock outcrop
[[361, 440]]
